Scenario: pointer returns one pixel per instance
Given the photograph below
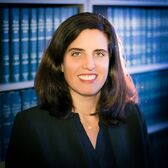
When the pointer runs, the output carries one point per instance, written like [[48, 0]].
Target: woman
[[87, 117]]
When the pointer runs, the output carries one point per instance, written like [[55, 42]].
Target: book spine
[[33, 43], [25, 99], [135, 29], [15, 45], [149, 36], [34, 100], [15, 104], [40, 34], [74, 11], [109, 15], [127, 40], [48, 25], [164, 36], [143, 37], [157, 39], [1, 135], [6, 121], [63, 14], [24, 45], [118, 14], [4, 49], [56, 18]]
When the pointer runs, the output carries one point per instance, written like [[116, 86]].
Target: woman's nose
[[89, 63]]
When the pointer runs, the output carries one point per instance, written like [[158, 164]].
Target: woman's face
[[86, 63]]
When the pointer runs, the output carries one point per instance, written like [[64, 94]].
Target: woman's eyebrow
[[102, 50], [81, 49], [76, 49]]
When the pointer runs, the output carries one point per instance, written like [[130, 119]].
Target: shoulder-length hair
[[51, 87]]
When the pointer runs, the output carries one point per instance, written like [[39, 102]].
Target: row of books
[[10, 104], [152, 89], [24, 35], [143, 32]]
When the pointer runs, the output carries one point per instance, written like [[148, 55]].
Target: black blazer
[[41, 140]]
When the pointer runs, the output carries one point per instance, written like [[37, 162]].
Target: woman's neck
[[85, 105]]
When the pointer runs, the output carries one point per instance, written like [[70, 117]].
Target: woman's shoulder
[[37, 116], [132, 108], [32, 111], [135, 116], [133, 112], [32, 114]]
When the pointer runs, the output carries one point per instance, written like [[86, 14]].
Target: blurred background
[[26, 29]]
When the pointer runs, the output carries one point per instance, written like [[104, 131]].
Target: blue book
[[70, 11], [64, 14], [135, 29], [25, 99], [15, 104], [75, 10], [127, 42], [156, 36], [40, 34], [4, 42], [109, 15], [24, 45], [15, 44], [33, 43], [34, 100], [118, 18], [143, 37], [48, 25], [163, 35], [6, 121], [56, 18], [149, 28], [1, 145]]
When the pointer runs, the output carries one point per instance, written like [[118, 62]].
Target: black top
[[102, 155], [41, 140]]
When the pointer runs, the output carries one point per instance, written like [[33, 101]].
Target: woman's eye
[[76, 53], [100, 54]]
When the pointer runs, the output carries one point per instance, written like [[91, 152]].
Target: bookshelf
[[144, 23], [157, 64], [148, 19], [26, 28], [9, 86]]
